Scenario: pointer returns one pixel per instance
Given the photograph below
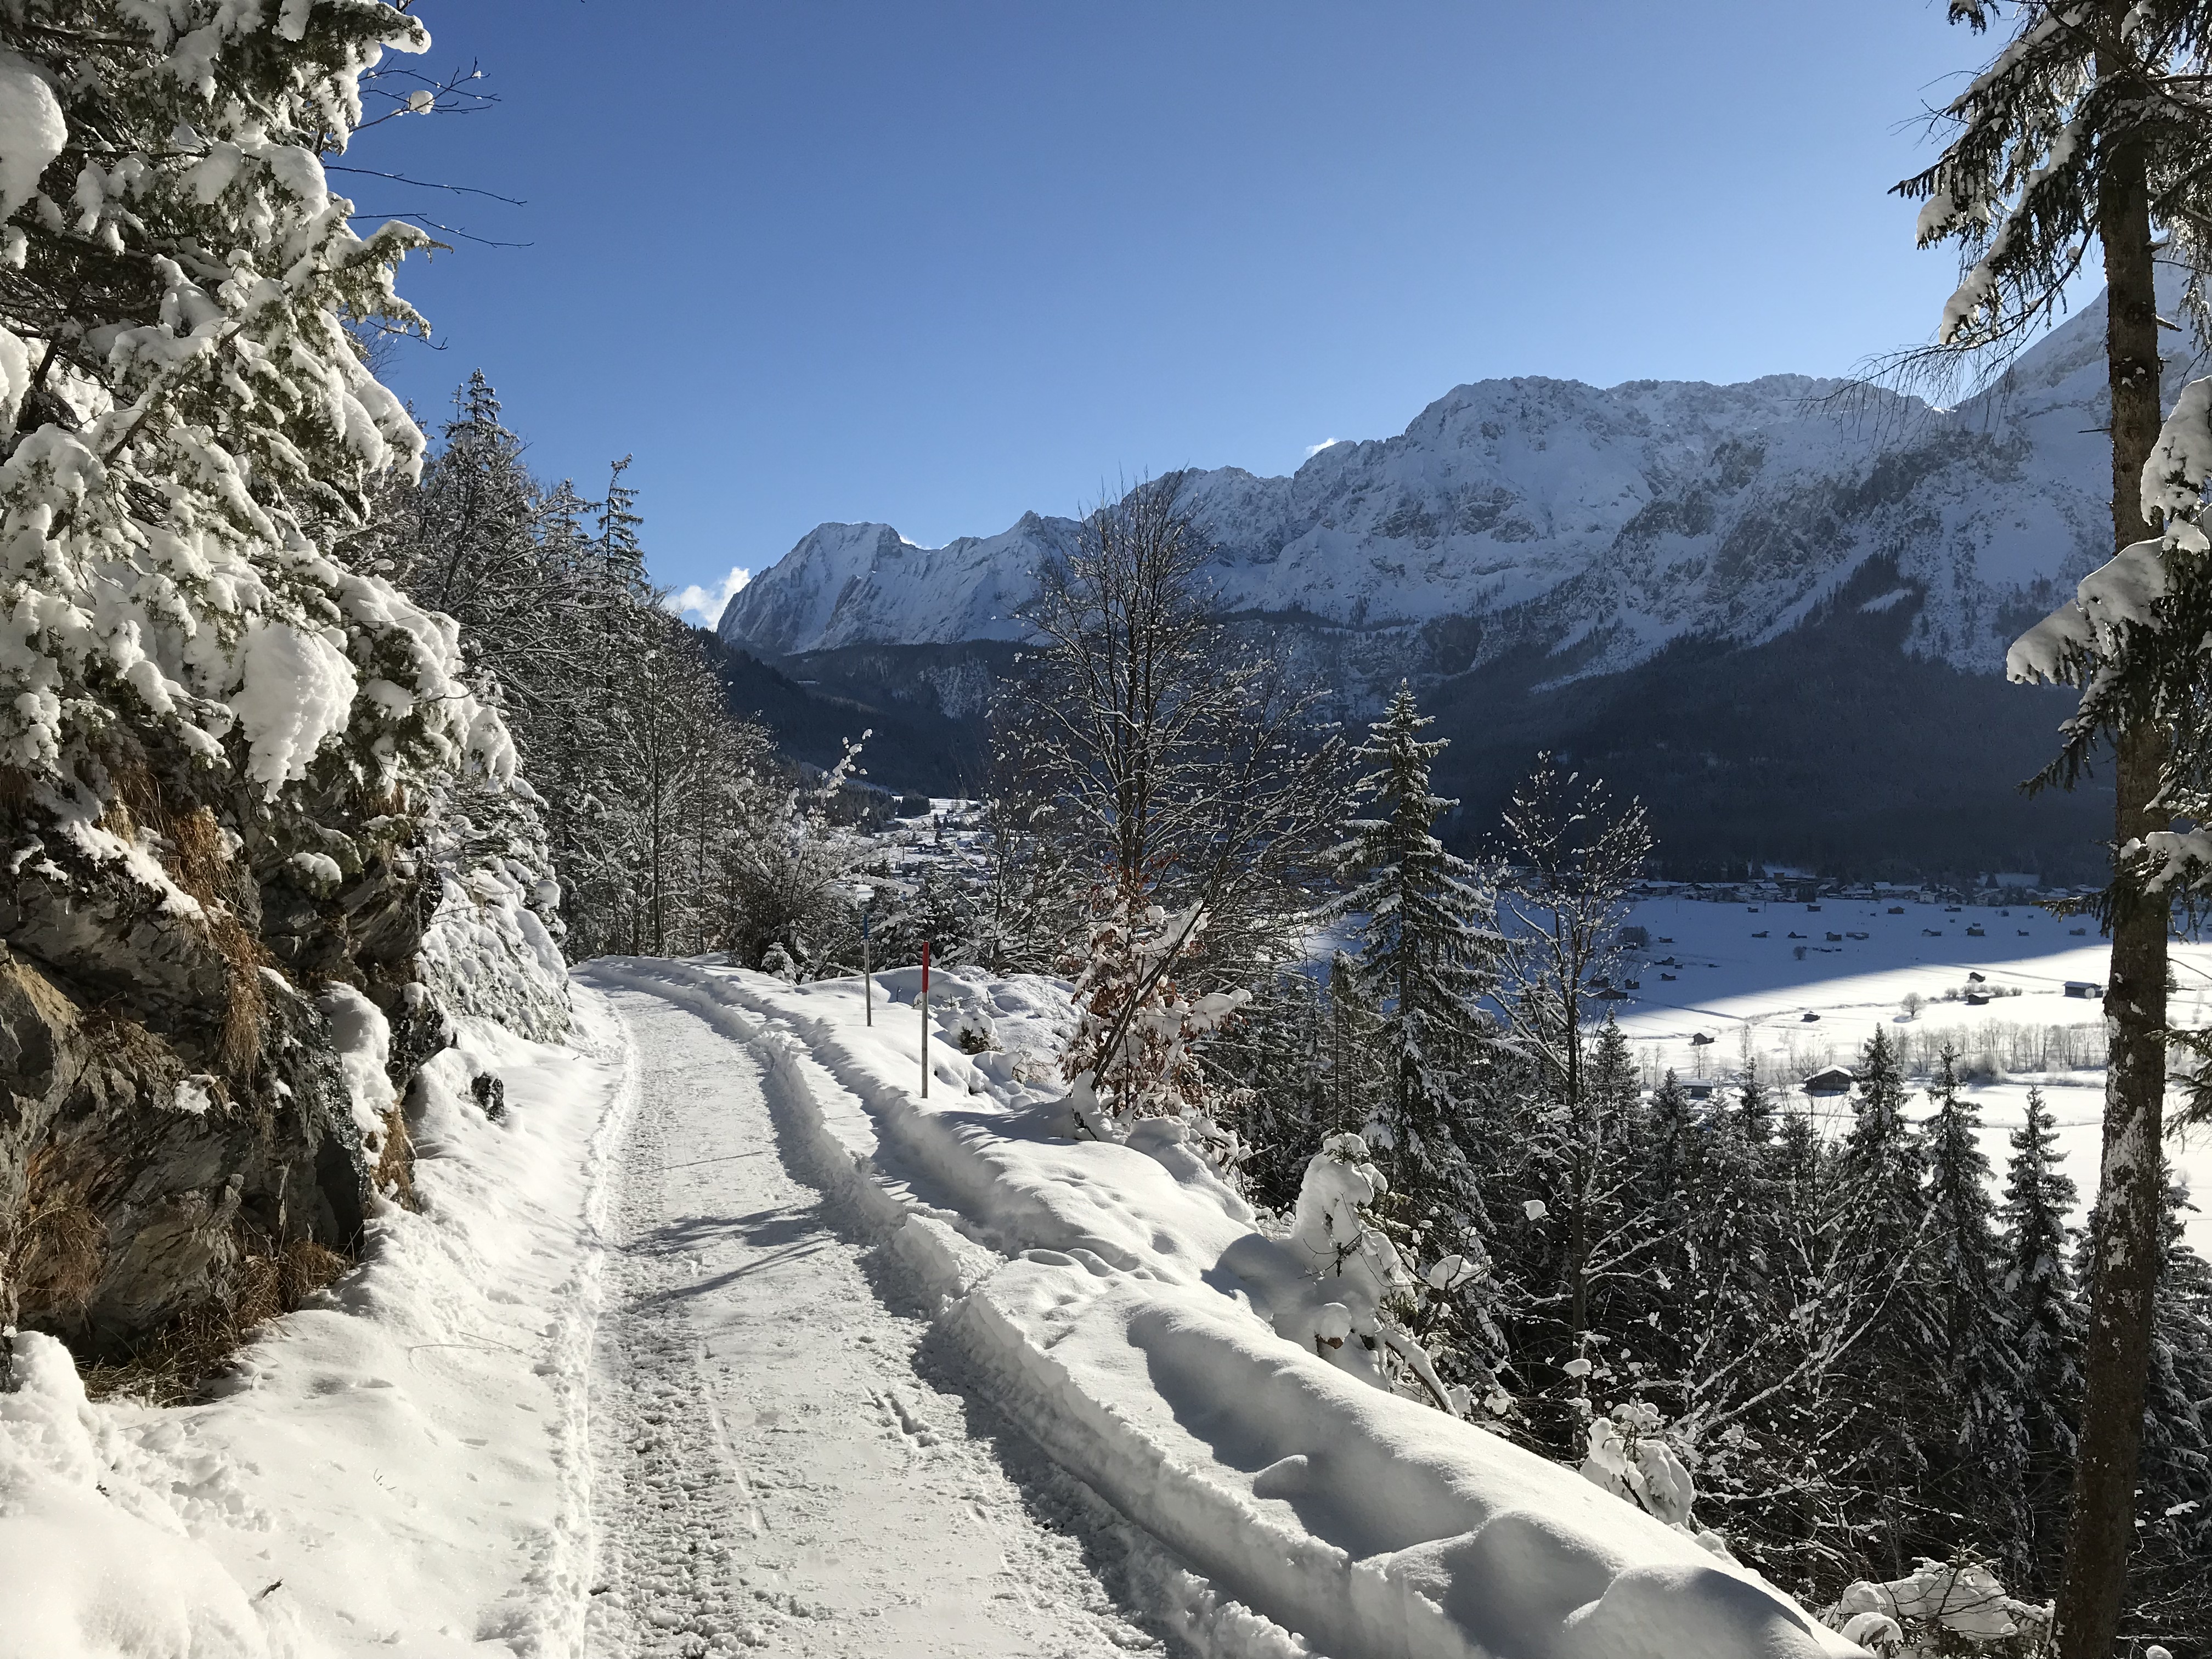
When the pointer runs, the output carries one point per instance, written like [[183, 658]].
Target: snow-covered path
[[780, 1462]]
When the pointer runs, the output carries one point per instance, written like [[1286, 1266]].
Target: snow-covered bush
[[1631, 1457], [1359, 1284], [1131, 1055], [1943, 1607]]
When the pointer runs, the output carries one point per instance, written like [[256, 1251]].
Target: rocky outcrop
[[181, 1145]]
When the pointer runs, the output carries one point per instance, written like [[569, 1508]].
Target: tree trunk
[[2125, 1250]]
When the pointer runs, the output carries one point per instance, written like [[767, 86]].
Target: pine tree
[[1754, 1109], [2046, 1328], [1427, 959], [1357, 1082], [1670, 1132], [1276, 1057], [1878, 1296], [1614, 1090], [1983, 1476]]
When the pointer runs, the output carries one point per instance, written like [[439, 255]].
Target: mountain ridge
[[1551, 510], [1551, 563]]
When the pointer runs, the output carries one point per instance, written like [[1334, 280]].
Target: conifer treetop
[[189, 431]]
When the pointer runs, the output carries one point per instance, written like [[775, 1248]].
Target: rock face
[[181, 1141]]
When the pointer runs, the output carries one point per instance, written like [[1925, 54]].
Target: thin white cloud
[[1313, 449], [704, 605]]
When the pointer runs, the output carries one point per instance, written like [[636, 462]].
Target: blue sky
[[935, 263]]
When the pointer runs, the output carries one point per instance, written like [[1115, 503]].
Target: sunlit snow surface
[[1735, 987], [407, 1466], [399, 1468], [1128, 1315]]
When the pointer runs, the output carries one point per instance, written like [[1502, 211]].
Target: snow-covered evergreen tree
[[1426, 961], [2170, 1592], [2047, 1318], [1280, 1095], [1980, 1363], [227, 745], [1878, 1288], [1754, 1109], [190, 431], [2089, 129]]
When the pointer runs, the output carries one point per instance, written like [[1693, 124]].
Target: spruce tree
[[1754, 1109], [1982, 1474], [1670, 1131], [2046, 1328], [1427, 958], [1878, 1212], [1615, 1092]]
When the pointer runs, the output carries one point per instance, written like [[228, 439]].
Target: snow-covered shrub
[[1360, 1283], [1944, 1608], [1131, 1055], [1631, 1457], [492, 950]]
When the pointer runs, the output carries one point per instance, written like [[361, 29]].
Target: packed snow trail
[[772, 1470]]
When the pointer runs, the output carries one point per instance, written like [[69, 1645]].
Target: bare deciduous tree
[[1575, 855], [1187, 773]]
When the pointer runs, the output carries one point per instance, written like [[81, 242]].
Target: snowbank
[[399, 1468], [1130, 1313]]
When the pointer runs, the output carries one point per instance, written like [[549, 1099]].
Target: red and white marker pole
[[925, 1019]]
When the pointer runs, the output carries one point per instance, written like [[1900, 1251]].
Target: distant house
[[1829, 1080], [2083, 987], [1699, 1039]]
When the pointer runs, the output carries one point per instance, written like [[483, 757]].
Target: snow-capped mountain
[[1553, 513]]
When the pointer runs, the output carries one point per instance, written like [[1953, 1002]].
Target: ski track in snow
[[782, 1463]]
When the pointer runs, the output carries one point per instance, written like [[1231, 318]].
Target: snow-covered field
[[1751, 994]]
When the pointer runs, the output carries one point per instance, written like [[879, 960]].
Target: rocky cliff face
[[201, 1088], [1776, 610]]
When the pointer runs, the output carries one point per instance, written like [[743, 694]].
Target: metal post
[[867, 979], [925, 1019]]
